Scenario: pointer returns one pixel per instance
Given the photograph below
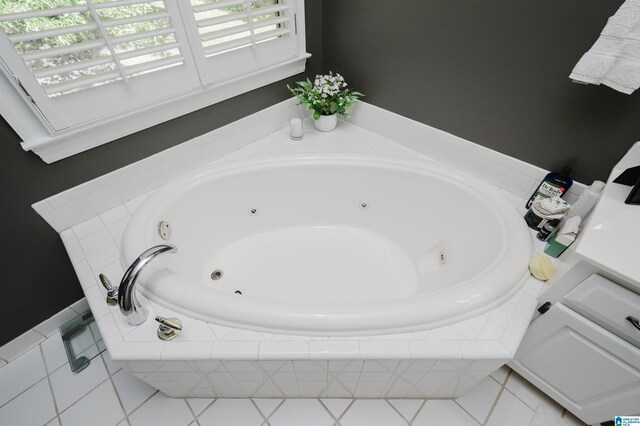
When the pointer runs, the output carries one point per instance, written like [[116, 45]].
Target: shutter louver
[[229, 25], [83, 64], [85, 48], [250, 34]]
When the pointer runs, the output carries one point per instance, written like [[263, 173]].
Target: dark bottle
[[553, 185]]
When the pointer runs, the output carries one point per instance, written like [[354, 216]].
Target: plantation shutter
[[231, 35], [82, 60]]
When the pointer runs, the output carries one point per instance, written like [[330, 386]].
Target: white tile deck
[[93, 249], [105, 394], [31, 394]]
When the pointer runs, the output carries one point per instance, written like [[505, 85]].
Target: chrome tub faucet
[[130, 307]]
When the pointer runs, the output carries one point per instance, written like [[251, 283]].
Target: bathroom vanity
[[583, 348]]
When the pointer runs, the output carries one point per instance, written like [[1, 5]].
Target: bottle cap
[[597, 186], [566, 171]]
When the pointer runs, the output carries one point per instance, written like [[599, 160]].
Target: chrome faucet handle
[[112, 292], [169, 327]]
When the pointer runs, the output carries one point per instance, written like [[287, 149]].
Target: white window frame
[[28, 122]]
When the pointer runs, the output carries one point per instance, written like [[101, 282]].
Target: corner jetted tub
[[330, 245]]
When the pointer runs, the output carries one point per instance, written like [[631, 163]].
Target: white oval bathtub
[[331, 245]]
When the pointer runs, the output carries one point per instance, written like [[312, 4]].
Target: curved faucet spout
[[130, 307]]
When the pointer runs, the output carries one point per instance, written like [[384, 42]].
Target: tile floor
[[38, 388]]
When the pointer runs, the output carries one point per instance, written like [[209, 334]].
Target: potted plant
[[327, 97]]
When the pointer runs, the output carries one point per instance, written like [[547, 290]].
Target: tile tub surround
[[384, 129], [209, 360], [43, 391]]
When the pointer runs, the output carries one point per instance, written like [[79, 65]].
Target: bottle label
[[548, 190]]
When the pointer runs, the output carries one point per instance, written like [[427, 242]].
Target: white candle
[[295, 128]]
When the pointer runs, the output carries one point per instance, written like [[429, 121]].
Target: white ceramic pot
[[326, 123]]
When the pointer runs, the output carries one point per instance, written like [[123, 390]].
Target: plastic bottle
[[587, 200], [553, 185]]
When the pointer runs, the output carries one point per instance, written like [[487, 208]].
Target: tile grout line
[[275, 409], [495, 402], [204, 409], [415, 416], [46, 376], [353, 401], [195, 418], [330, 413], [53, 395], [455, 400], [396, 410], [326, 409], [87, 393], [524, 402], [142, 403], [264, 418], [466, 412], [12, 399], [126, 417]]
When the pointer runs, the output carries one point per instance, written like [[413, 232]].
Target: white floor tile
[[162, 410], [112, 366], [510, 411], [19, 345], [132, 390], [501, 374], [199, 404], [546, 416], [100, 407], [407, 407], [437, 412], [478, 400], [21, 373], [231, 412], [33, 407], [336, 406], [68, 387], [529, 394], [54, 422], [372, 412], [54, 354], [293, 410], [267, 405]]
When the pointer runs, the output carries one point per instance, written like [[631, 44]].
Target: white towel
[[614, 59]]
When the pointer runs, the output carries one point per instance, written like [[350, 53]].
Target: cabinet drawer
[[608, 305]]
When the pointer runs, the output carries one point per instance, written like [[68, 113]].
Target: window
[[82, 63]]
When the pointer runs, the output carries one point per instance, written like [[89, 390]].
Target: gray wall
[[37, 277], [494, 72]]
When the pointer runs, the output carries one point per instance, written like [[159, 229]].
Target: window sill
[[52, 148]]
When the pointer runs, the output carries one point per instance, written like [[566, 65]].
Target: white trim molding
[[52, 148]]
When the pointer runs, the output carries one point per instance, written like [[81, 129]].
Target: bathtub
[[330, 245]]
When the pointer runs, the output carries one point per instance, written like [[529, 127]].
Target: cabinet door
[[591, 372]]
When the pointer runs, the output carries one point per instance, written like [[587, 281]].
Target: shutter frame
[[219, 63], [61, 110]]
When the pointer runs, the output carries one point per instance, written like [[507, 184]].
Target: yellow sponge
[[541, 266]]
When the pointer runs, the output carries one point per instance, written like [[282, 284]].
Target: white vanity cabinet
[[584, 351], [588, 370]]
